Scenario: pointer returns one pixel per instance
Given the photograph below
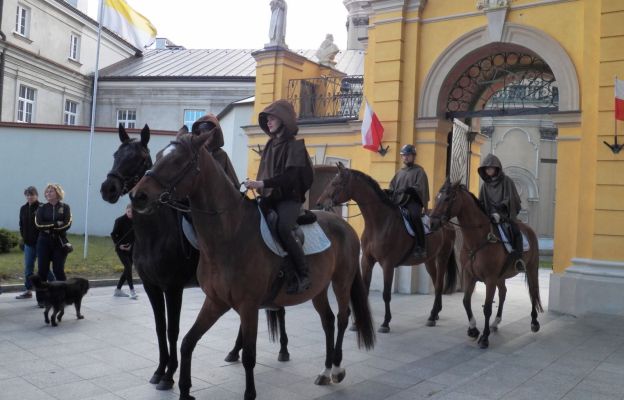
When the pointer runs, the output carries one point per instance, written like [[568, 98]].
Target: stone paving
[[112, 353]]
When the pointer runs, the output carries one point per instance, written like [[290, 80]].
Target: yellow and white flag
[[120, 18]]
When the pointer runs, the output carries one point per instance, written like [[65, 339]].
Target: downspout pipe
[[2, 55]]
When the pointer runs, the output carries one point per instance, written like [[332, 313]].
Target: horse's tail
[[362, 313], [450, 279], [532, 273], [271, 316]]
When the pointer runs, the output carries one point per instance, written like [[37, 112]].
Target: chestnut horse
[[385, 239], [483, 256], [237, 270]]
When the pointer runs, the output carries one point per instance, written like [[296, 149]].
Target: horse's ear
[[123, 136], [145, 135], [201, 139], [182, 131], [340, 166]]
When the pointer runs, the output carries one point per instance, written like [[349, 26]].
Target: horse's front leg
[[388, 273], [502, 293], [321, 305], [173, 298], [157, 301], [490, 290], [469, 285], [249, 328], [208, 315]]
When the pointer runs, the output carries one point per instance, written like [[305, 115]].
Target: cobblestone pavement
[[112, 353]]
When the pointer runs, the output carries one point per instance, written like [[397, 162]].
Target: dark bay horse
[[386, 241], [164, 259], [237, 270], [484, 258]]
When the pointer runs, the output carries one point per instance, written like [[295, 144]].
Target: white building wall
[[37, 156], [235, 138]]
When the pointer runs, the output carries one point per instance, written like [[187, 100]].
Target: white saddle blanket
[[507, 242], [426, 223], [189, 232], [315, 239]]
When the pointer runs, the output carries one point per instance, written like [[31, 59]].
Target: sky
[[241, 24]]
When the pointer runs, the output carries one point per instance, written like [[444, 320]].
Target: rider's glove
[[496, 217]]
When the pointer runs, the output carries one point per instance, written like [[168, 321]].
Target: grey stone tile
[[75, 391], [580, 394]]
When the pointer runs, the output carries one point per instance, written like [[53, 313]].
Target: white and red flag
[[619, 99], [372, 130]]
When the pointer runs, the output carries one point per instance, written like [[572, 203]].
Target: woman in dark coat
[[123, 238]]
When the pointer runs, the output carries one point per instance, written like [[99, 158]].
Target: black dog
[[57, 294]]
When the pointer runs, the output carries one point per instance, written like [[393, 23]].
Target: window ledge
[[75, 62], [19, 36]]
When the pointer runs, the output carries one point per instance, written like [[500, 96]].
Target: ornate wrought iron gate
[[459, 152]]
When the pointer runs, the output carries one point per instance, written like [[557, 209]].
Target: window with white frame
[[25, 104], [22, 20], [74, 47], [70, 115], [191, 116], [127, 118]]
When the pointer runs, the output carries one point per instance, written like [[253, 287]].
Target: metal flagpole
[[92, 129]]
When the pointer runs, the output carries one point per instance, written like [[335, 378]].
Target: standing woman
[[53, 219]]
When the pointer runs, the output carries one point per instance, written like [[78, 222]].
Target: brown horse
[[385, 239], [237, 270], [483, 256]]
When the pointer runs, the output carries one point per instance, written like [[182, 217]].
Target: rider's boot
[[301, 280]]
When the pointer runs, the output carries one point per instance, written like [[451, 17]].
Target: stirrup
[[520, 265], [298, 285]]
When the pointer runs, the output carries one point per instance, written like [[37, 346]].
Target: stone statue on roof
[[277, 28], [327, 51]]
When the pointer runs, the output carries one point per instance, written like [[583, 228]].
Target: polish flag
[[372, 130], [619, 99]]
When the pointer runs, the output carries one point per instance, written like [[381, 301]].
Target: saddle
[[408, 225], [504, 234]]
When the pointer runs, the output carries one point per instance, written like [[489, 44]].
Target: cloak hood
[[490, 161], [216, 141], [283, 110]]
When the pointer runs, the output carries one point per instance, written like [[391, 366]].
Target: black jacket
[[122, 233], [28, 229], [53, 220]]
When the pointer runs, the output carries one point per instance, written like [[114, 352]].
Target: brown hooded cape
[[498, 193], [285, 166], [412, 177], [214, 145]]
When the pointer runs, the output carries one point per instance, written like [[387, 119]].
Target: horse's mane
[[472, 196], [375, 186]]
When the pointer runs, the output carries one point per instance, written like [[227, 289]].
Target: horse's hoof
[[155, 379], [232, 357], [283, 357], [383, 329], [535, 326], [165, 384], [186, 397], [353, 328], [484, 343], [473, 333], [80, 317], [431, 322], [337, 378], [322, 380]]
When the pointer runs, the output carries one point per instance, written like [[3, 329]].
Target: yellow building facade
[[417, 52]]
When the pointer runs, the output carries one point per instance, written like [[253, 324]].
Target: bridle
[[128, 182], [167, 196], [446, 217]]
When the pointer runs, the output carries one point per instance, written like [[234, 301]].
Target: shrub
[[8, 240]]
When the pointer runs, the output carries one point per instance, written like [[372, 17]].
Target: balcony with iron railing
[[327, 99]]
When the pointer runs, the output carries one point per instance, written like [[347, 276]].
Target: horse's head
[[172, 177], [447, 204], [337, 191], [130, 162]]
